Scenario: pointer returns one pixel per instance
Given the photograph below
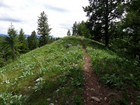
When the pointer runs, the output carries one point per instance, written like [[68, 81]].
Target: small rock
[[51, 104], [48, 99], [105, 98], [95, 98], [29, 87], [57, 90], [39, 79], [92, 89]]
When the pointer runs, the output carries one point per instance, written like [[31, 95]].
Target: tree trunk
[[106, 24]]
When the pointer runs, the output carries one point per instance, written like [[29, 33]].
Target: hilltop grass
[[49, 74]]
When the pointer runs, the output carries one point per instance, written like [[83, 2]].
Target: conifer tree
[[132, 26], [68, 33], [75, 29], [11, 43], [23, 42], [33, 41], [102, 14], [43, 28]]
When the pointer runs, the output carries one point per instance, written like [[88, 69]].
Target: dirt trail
[[94, 92]]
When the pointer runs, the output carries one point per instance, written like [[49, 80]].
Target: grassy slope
[[53, 70], [53, 74]]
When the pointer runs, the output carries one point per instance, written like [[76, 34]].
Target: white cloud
[[24, 14]]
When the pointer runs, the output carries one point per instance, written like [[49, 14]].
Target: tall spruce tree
[[43, 28], [68, 33], [33, 41], [11, 43], [2, 59], [23, 42], [75, 29], [102, 13]]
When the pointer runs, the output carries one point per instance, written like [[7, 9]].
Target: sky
[[24, 14]]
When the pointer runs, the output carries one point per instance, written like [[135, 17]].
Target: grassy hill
[[52, 74]]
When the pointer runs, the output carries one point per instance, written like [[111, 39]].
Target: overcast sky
[[24, 14]]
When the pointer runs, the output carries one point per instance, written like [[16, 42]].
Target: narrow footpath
[[94, 92]]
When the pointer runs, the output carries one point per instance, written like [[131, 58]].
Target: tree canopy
[[101, 16]]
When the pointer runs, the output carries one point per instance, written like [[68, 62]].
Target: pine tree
[[43, 29], [75, 29], [102, 14], [82, 29], [132, 26], [68, 33], [11, 44], [23, 42], [33, 41], [2, 62]]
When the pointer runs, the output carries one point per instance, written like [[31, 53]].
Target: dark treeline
[[15, 44], [116, 23]]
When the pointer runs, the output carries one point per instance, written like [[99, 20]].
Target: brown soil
[[95, 93]]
